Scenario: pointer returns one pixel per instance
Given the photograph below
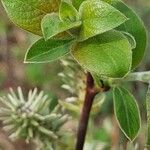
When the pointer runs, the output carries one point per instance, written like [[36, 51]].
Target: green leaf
[[52, 25], [131, 39], [127, 112], [135, 27], [46, 51], [98, 17], [77, 3], [28, 14], [108, 54], [67, 12], [107, 1]]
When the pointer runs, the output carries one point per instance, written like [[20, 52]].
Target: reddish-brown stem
[[90, 94], [83, 123]]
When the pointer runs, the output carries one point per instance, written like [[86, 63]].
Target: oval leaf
[[46, 51], [127, 112], [28, 14], [108, 54], [98, 17], [135, 27], [52, 25]]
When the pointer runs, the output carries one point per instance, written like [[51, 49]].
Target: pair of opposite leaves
[[109, 53]]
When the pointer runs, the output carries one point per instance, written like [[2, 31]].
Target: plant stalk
[[148, 117], [83, 123], [139, 76], [131, 77]]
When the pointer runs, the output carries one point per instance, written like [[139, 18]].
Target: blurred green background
[[104, 132]]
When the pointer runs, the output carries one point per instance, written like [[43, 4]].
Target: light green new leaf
[[135, 27], [98, 17], [67, 12], [127, 112], [108, 54], [28, 14], [52, 25], [46, 51]]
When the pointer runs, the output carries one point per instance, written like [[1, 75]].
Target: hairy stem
[[139, 76], [148, 116], [136, 76], [83, 123]]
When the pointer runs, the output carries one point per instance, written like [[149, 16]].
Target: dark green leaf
[[52, 25], [53, 103], [127, 112], [77, 3], [46, 51], [108, 54], [135, 27], [98, 17]]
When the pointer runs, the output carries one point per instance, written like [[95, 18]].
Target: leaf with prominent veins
[[108, 54], [98, 17], [52, 25], [28, 14]]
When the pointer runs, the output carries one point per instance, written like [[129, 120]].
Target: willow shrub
[[105, 37]]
